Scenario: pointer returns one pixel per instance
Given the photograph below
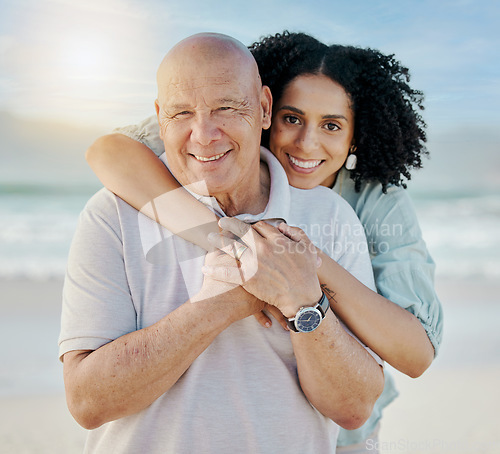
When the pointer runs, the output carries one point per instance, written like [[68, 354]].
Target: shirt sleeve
[[402, 265], [97, 304], [146, 132]]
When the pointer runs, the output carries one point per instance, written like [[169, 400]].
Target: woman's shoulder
[[371, 196], [146, 132]]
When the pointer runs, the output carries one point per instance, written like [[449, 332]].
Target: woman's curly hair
[[389, 133]]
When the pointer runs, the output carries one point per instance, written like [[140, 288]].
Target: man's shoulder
[[106, 212], [107, 206], [319, 192], [321, 201], [102, 201], [332, 225]]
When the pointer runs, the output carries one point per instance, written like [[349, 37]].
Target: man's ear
[[266, 101], [157, 108]]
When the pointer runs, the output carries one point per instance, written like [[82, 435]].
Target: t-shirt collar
[[278, 205]]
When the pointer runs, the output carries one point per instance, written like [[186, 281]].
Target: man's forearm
[[338, 376], [128, 374]]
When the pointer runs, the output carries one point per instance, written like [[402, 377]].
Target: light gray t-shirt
[[403, 268], [242, 393]]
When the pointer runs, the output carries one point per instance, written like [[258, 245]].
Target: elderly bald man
[[160, 360]]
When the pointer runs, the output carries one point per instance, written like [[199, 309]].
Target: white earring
[[351, 161]]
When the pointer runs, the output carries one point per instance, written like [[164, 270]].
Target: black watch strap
[[323, 304]]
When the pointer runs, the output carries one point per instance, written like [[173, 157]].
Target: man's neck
[[251, 199]]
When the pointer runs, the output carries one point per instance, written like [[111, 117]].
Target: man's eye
[[183, 113], [224, 108], [292, 119]]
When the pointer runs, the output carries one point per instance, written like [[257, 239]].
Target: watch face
[[308, 319]]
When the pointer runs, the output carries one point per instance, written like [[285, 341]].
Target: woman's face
[[312, 130]]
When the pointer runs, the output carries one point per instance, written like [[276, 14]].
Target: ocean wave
[[47, 190], [36, 233], [462, 233]]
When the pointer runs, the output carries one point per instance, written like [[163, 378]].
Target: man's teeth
[[304, 164], [211, 158]]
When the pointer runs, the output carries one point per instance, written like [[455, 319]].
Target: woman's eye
[[292, 119], [331, 126]]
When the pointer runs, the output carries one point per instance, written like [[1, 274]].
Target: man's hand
[[238, 301], [277, 266]]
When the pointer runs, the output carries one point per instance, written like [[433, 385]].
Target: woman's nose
[[308, 140]]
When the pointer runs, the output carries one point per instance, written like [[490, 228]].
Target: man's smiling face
[[211, 116]]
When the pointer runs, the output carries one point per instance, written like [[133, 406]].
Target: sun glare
[[86, 59]]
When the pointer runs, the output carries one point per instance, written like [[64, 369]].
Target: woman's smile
[[312, 130], [304, 165]]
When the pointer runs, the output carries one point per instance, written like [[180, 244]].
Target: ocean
[[37, 223], [462, 233]]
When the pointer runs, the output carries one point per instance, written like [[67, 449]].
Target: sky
[[93, 62]]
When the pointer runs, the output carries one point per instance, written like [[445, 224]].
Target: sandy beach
[[452, 408], [33, 413]]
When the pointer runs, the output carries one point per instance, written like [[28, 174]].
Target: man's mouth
[[309, 164], [210, 158]]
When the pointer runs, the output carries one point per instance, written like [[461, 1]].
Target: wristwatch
[[307, 319]]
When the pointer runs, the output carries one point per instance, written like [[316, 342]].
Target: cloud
[[110, 50]]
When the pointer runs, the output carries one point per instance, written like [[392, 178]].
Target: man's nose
[[307, 140], [205, 130]]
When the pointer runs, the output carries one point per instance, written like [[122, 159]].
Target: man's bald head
[[201, 51], [211, 109]]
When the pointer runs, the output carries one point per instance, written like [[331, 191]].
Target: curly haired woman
[[345, 118]]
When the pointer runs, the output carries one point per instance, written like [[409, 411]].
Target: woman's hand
[[278, 266], [266, 322]]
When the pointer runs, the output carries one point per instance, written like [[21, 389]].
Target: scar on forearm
[[330, 294]]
